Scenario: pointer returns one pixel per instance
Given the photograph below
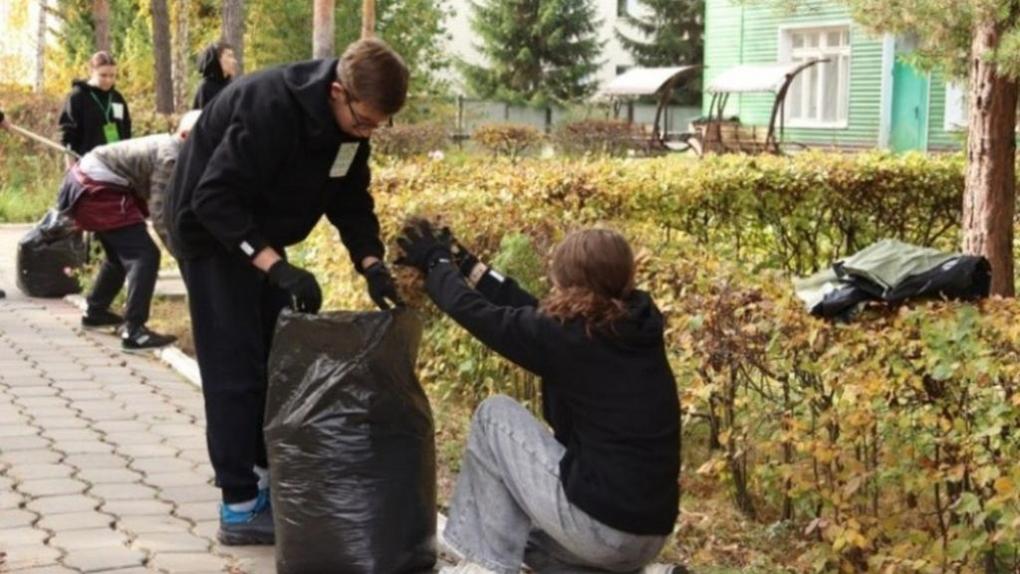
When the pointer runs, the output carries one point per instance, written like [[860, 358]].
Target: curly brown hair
[[592, 275]]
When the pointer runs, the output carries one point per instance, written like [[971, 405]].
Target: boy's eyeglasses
[[360, 123]]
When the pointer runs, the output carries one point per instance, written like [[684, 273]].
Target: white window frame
[[956, 108], [955, 111], [786, 54]]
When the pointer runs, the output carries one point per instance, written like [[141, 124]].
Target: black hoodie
[[213, 79], [85, 112], [611, 399], [260, 168]]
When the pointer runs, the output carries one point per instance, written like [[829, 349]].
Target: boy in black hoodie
[[600, 492], [95, 113], [269, 156], [218, 66]]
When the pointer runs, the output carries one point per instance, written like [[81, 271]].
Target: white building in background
[[22, 28], [615, 59]]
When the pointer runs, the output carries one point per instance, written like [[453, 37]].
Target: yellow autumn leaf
[[1004, 486]]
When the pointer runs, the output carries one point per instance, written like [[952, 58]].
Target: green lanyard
[[105, 109], [110, 132]]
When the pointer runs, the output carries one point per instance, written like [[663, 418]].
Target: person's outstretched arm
[[496, 287], [518, 333]]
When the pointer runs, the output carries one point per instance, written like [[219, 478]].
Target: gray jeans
[[509, 505]]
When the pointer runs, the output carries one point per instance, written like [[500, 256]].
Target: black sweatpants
[[131, 255], [233, 313]]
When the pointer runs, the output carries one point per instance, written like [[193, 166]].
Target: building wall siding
[[749, 34]]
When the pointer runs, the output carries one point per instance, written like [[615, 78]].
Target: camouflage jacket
[[147, 164]]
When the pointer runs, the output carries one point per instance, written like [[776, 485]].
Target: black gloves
[[381, 287], [302, 286], [463, 258], [422, 249], [307, 297]]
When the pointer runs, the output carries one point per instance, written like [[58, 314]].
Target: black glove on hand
[[422, 249], [464, 259], [302, 286], [381, 286]]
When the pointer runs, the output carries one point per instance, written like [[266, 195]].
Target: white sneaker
[[446, 551], [466, 568], [660, 569]]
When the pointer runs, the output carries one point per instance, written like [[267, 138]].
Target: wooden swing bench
[[718, 134]]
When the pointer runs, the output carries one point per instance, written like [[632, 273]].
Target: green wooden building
[[866, 96]]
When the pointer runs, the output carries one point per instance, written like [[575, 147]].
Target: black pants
[[233, 313], [130, 255]]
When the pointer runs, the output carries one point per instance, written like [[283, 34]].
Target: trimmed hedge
[[796, 214]]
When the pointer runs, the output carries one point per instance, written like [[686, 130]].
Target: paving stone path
[[103, 466]]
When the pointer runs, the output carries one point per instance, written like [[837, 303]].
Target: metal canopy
[[747, 78], [645, 81]]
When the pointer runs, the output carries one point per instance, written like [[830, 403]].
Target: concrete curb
[[170, 355]]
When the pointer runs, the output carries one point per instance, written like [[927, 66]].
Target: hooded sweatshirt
[[213, 78], [610, 398], [265, 161], [86, 110], [145, 165]]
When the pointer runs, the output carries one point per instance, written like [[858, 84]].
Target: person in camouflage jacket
[[110, 191]]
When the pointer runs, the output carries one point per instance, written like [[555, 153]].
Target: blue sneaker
[[247, 528], [262, 501]]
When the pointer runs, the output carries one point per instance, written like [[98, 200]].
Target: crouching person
[[110, 191], [599, 493]]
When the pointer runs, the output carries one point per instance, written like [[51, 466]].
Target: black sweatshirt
[[611, 398], [263, 164], [213, 79], [85, 112]]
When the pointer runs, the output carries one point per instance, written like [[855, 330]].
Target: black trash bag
[[963, 278], [47, 256], [351, 445]]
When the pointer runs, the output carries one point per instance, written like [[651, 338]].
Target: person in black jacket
[[218, 66], [270, 155], [600, 492], [95, 113]]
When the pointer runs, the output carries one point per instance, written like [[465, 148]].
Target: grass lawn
[[29, 183]]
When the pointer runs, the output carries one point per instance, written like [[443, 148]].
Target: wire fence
[[461, 116]]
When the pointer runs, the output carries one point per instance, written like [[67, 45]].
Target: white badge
[[344, 159], [118, 111]]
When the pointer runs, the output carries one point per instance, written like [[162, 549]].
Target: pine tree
[[669, 32], [537, 51]]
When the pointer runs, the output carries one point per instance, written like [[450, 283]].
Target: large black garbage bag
[[47, 255], [351, 445]]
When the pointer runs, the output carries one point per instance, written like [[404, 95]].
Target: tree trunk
[[101, 21], [181, 55], [161, 47], [40, 49], [233, 29], [324, 29], [988, 203], [367, 18]]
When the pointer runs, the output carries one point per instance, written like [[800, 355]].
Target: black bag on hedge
[[47, 256], [894, 272], [351, 445]]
